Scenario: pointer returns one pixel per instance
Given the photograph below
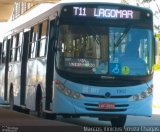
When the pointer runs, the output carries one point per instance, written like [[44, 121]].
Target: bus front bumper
[[65, 105]]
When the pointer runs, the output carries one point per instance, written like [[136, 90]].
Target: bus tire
[[11, 97], [66, 116], [50, 116], [39, 103], [118, 122]]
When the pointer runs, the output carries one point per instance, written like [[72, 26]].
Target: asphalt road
[[12, 121], [131, 121]]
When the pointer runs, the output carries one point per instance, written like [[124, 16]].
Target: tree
[[147, 1]]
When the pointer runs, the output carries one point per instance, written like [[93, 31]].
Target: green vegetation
[[156, 67]]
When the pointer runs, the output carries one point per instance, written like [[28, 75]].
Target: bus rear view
[[104, 60]]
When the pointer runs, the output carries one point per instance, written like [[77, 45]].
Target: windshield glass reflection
[[94, 50]]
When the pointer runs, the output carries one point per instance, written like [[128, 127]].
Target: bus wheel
[[66, 116], [118, 122], [39, 104], [11, 97], [50, 116]]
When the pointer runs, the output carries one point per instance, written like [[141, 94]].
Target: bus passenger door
[[5, 68], [50, 65], [24, 68], [36, 67], [2, 67]]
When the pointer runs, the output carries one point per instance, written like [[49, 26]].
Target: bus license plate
[[106, 106]]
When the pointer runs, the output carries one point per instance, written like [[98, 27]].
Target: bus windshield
[[91, 49]]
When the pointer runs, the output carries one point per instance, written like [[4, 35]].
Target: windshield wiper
[[125, 32]]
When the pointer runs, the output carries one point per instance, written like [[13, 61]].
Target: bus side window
[[19, 42], [12, 49], [33, 41], [16, 39], [41, 47], [4, 50], [30, 44]]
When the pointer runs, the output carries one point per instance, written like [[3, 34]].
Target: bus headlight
[[75, 95], [66, 91], [143, 94], [150, 89], [136, 97]]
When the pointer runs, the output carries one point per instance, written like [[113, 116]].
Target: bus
[[76, 59]]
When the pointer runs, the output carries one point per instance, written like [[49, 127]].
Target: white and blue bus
[[81, 59]]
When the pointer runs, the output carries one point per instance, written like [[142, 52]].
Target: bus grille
[[103, 96], [94, 107]]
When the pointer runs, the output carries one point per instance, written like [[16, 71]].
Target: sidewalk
[[156, 93]]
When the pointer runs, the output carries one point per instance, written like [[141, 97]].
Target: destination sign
[[106, 13]]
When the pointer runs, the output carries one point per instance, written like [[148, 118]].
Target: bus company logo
[[107, 95]]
